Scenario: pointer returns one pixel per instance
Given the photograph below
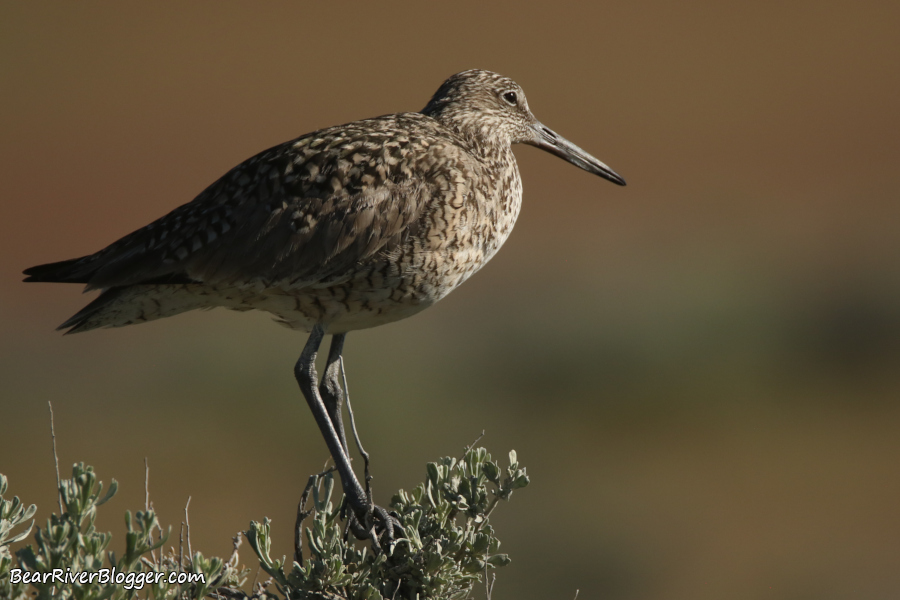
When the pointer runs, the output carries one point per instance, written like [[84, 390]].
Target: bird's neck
[[480, 138]]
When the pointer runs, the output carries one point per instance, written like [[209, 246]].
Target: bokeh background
[[699, 370]]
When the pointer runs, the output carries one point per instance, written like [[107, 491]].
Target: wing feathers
[[299, 213]]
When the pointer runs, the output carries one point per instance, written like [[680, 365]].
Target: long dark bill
[[548, 140]]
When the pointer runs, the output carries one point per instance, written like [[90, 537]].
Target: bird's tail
[[91, 316], [132, 304], [120, 305], [75, 270]]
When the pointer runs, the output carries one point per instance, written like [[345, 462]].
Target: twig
[[187, 523], [147, 505], [359, 445], [302, 514], [227, 592], [373, 535], [487, 513], [470, 446], [235, 558], [576, 595], [55, 460], [489, 587], [158, 526], [181, 547], [264, 586], [255, 577]]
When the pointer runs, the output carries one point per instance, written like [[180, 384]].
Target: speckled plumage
[[347, 227], [341, 229]]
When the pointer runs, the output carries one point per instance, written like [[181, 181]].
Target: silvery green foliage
[[12, 514], [448, 544], [71, 542]]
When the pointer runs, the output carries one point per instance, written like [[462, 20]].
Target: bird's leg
[[307, 378], [362, 507], [330, 388]]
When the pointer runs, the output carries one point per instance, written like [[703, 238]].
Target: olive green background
[[700, 370]]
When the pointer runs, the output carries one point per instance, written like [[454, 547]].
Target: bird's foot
[[374, 523]]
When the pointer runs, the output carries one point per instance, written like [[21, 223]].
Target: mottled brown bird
[[340, 229]]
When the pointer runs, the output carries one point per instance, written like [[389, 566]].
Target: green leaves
[[138, 542], [259, 536], [70, 543], [12, 514], [81, 494], [448, 544], [447, 548]]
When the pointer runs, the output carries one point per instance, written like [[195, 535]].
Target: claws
[[381, 527]]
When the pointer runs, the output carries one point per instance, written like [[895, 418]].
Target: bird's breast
[[465, 218]]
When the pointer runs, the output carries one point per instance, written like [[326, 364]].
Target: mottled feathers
[[350, 226]]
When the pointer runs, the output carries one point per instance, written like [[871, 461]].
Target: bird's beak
[[547, 139]]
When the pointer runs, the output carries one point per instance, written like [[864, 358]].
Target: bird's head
[[492, 109]]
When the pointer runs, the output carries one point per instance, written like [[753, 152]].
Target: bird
[[345, 228]]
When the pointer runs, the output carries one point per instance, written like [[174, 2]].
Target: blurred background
[[700, 370]]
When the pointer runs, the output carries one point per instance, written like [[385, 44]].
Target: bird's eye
[[510, 97]]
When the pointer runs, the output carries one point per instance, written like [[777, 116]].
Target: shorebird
[[344, 228]]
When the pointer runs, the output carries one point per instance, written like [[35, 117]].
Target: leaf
[[19, 537], [499, 560]]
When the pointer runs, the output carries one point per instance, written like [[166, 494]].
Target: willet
[[341, 229]]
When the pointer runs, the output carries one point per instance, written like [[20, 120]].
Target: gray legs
[[305, 372], [330, 388], [325, 401]]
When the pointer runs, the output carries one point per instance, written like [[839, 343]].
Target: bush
[[447, 548]]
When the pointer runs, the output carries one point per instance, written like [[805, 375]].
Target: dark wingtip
[[32, 273], [65, 271]]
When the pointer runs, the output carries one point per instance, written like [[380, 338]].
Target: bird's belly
[[367, 300], [394, 286], [340, 308]]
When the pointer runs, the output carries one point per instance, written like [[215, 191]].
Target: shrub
[[447, 548]]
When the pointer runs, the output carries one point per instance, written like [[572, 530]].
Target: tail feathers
[[129, 305], [81, 270], [87, 318], [75, 270]]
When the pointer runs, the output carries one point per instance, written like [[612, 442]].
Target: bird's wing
[[300, 213]]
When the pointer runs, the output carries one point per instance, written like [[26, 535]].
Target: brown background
[[699, 370]]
